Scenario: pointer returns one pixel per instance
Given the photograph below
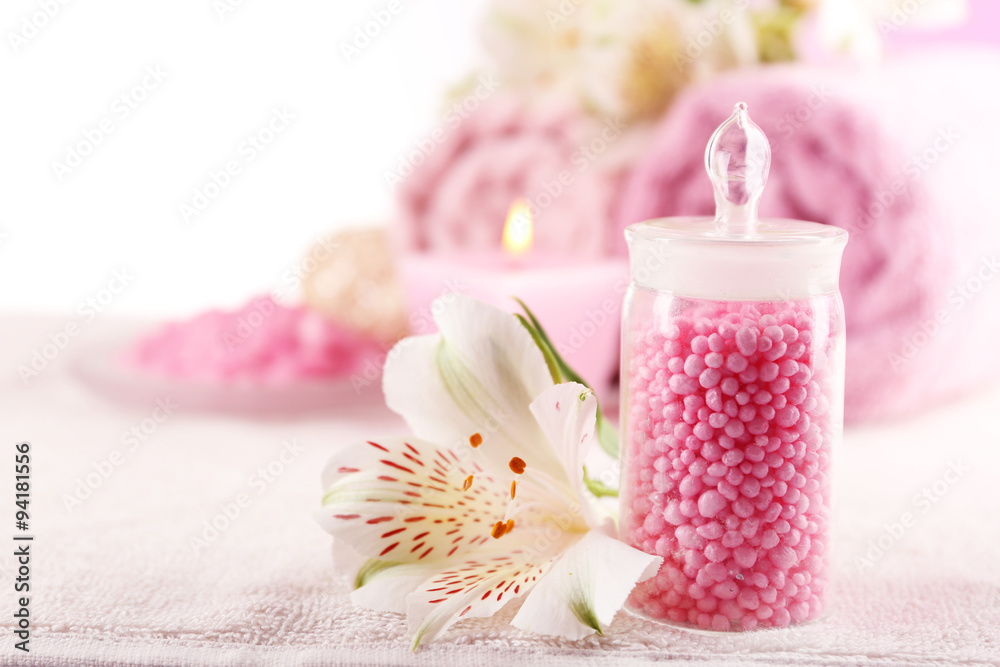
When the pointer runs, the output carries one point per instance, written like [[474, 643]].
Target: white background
[[61, 241]]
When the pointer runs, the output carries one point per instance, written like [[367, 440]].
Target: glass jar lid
[[735, 255]]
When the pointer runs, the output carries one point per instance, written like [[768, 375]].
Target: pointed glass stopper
[[737, 159]]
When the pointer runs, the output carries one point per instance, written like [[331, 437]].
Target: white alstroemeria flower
[[486, 504]]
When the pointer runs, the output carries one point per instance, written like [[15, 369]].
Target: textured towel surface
[[116, 580], [904, 158], [570, 168]]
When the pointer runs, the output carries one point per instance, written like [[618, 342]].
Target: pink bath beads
[[746, 340], [711, 503], [261, 343], [746, 432]]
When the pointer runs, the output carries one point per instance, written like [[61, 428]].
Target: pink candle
[[577, 302]]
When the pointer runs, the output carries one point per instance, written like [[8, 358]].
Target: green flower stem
[[371, 569], [597, 487], [607, 435]]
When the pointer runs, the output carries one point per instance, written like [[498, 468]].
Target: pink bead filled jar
[[732, 400]]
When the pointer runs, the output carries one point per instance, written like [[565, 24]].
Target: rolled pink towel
[[569, 166], [902, 156]]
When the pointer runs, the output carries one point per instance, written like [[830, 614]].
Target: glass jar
[[732, 400]]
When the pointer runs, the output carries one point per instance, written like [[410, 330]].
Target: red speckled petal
[[478, 587], [402, 500]]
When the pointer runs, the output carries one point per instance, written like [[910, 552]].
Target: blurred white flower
[[624, 58], [631, 57], [857, 28]]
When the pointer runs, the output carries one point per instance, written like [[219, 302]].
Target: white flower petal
[[479, 376], [387, 589], [404, 500], [347, 562], [478, 587], [566, 414], [585, 588]]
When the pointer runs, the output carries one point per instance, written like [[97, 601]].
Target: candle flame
[[518, 231]]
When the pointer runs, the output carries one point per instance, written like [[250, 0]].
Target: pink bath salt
[[746, 340], [716, 571], [748, 599], [711, 503], [715, 359], [745, 557], [730, 386], [682, 384], [263, 342], [709, 378], [672, 513], [687, 536], [782, 557], [693, 365], [690, 485], [711, 531], [725, 591], [735, 362], [732, 539], [716, 553], [743, 526], [781, 617]]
